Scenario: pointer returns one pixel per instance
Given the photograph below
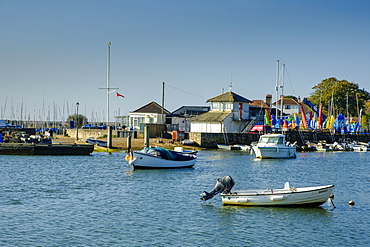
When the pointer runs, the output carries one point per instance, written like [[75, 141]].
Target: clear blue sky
[[53, 53]]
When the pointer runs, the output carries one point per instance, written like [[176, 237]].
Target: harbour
[[198, 95], [99, 200]]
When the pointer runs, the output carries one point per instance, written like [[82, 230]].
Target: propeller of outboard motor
[[224, 184]]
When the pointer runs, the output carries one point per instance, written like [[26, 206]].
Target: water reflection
[[259, 215]]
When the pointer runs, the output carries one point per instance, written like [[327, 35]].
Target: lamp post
[[77, 104]]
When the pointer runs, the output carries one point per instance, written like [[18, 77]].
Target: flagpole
[[108, 82]]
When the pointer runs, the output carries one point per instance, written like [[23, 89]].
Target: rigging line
[[121, 104], [290, 83], [184, 91], [169, 93]]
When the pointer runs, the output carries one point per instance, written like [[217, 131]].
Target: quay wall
[[95, 133], [210, 140]]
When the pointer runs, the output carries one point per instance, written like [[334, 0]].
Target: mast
[[163, 103], [282, 90], [108, 80], [277, 88]]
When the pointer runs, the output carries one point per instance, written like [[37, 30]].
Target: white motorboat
[[274, 146], [158, 158], [288, 196]]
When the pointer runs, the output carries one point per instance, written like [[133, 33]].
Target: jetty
[[42, 149]]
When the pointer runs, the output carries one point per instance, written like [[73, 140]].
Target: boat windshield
[[270, 139]]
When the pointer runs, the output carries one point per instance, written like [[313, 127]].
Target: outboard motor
[[224, 184]]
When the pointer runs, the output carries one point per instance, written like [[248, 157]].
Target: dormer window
[[227, 106], [215, 106], [221, 106]]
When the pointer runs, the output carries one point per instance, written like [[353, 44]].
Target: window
[[215, 106], [227, 106]]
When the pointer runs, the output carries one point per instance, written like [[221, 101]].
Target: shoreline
[[121, 143]]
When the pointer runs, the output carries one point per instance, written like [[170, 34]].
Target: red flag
[[119, 95]]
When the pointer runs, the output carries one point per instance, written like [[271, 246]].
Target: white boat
[[287, 196], [158, 158], [229, 147], [274, 146], [183, 151], [360, 146], [244, 147]]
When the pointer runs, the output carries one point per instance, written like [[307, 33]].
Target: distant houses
[[153, 113], [226, 113]]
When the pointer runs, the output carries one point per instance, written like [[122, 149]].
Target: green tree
[[334, 95], [81, 120], [291, 97]]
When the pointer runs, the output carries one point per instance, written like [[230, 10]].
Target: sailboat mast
[[163, 103], [282, 90], [277, 87], [108, 80]]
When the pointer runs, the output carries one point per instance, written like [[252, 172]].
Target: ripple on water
[[99, 200]]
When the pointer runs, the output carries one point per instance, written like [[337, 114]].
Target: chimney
[[268, 99]]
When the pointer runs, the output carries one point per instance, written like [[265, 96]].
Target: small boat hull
[[308, 196], [229, 147], [275, 152], [97, 142], [142, 160]]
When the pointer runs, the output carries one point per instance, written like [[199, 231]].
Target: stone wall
[[95, 133], [210, 140], [87, 133]]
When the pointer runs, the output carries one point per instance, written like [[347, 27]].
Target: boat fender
[[128, 157]]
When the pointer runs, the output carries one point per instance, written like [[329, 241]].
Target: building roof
[[259, 103], [191, 110], [229, 97], [210, 117], [151, 107], [287, 101]]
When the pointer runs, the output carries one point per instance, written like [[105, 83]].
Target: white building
[[151, 113], [229, 113], [290, 106]]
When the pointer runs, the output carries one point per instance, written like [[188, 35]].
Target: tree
[[291, 97], [81, 120], [338, 96]]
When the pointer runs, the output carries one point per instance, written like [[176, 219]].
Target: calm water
[[99, 200]]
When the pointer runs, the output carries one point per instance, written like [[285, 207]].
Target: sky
[[53, 53]]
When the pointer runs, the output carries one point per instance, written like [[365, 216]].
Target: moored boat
[[287, 196], [229, 147], [158, 158], [360, 146], [97, 142], [274, 146]]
